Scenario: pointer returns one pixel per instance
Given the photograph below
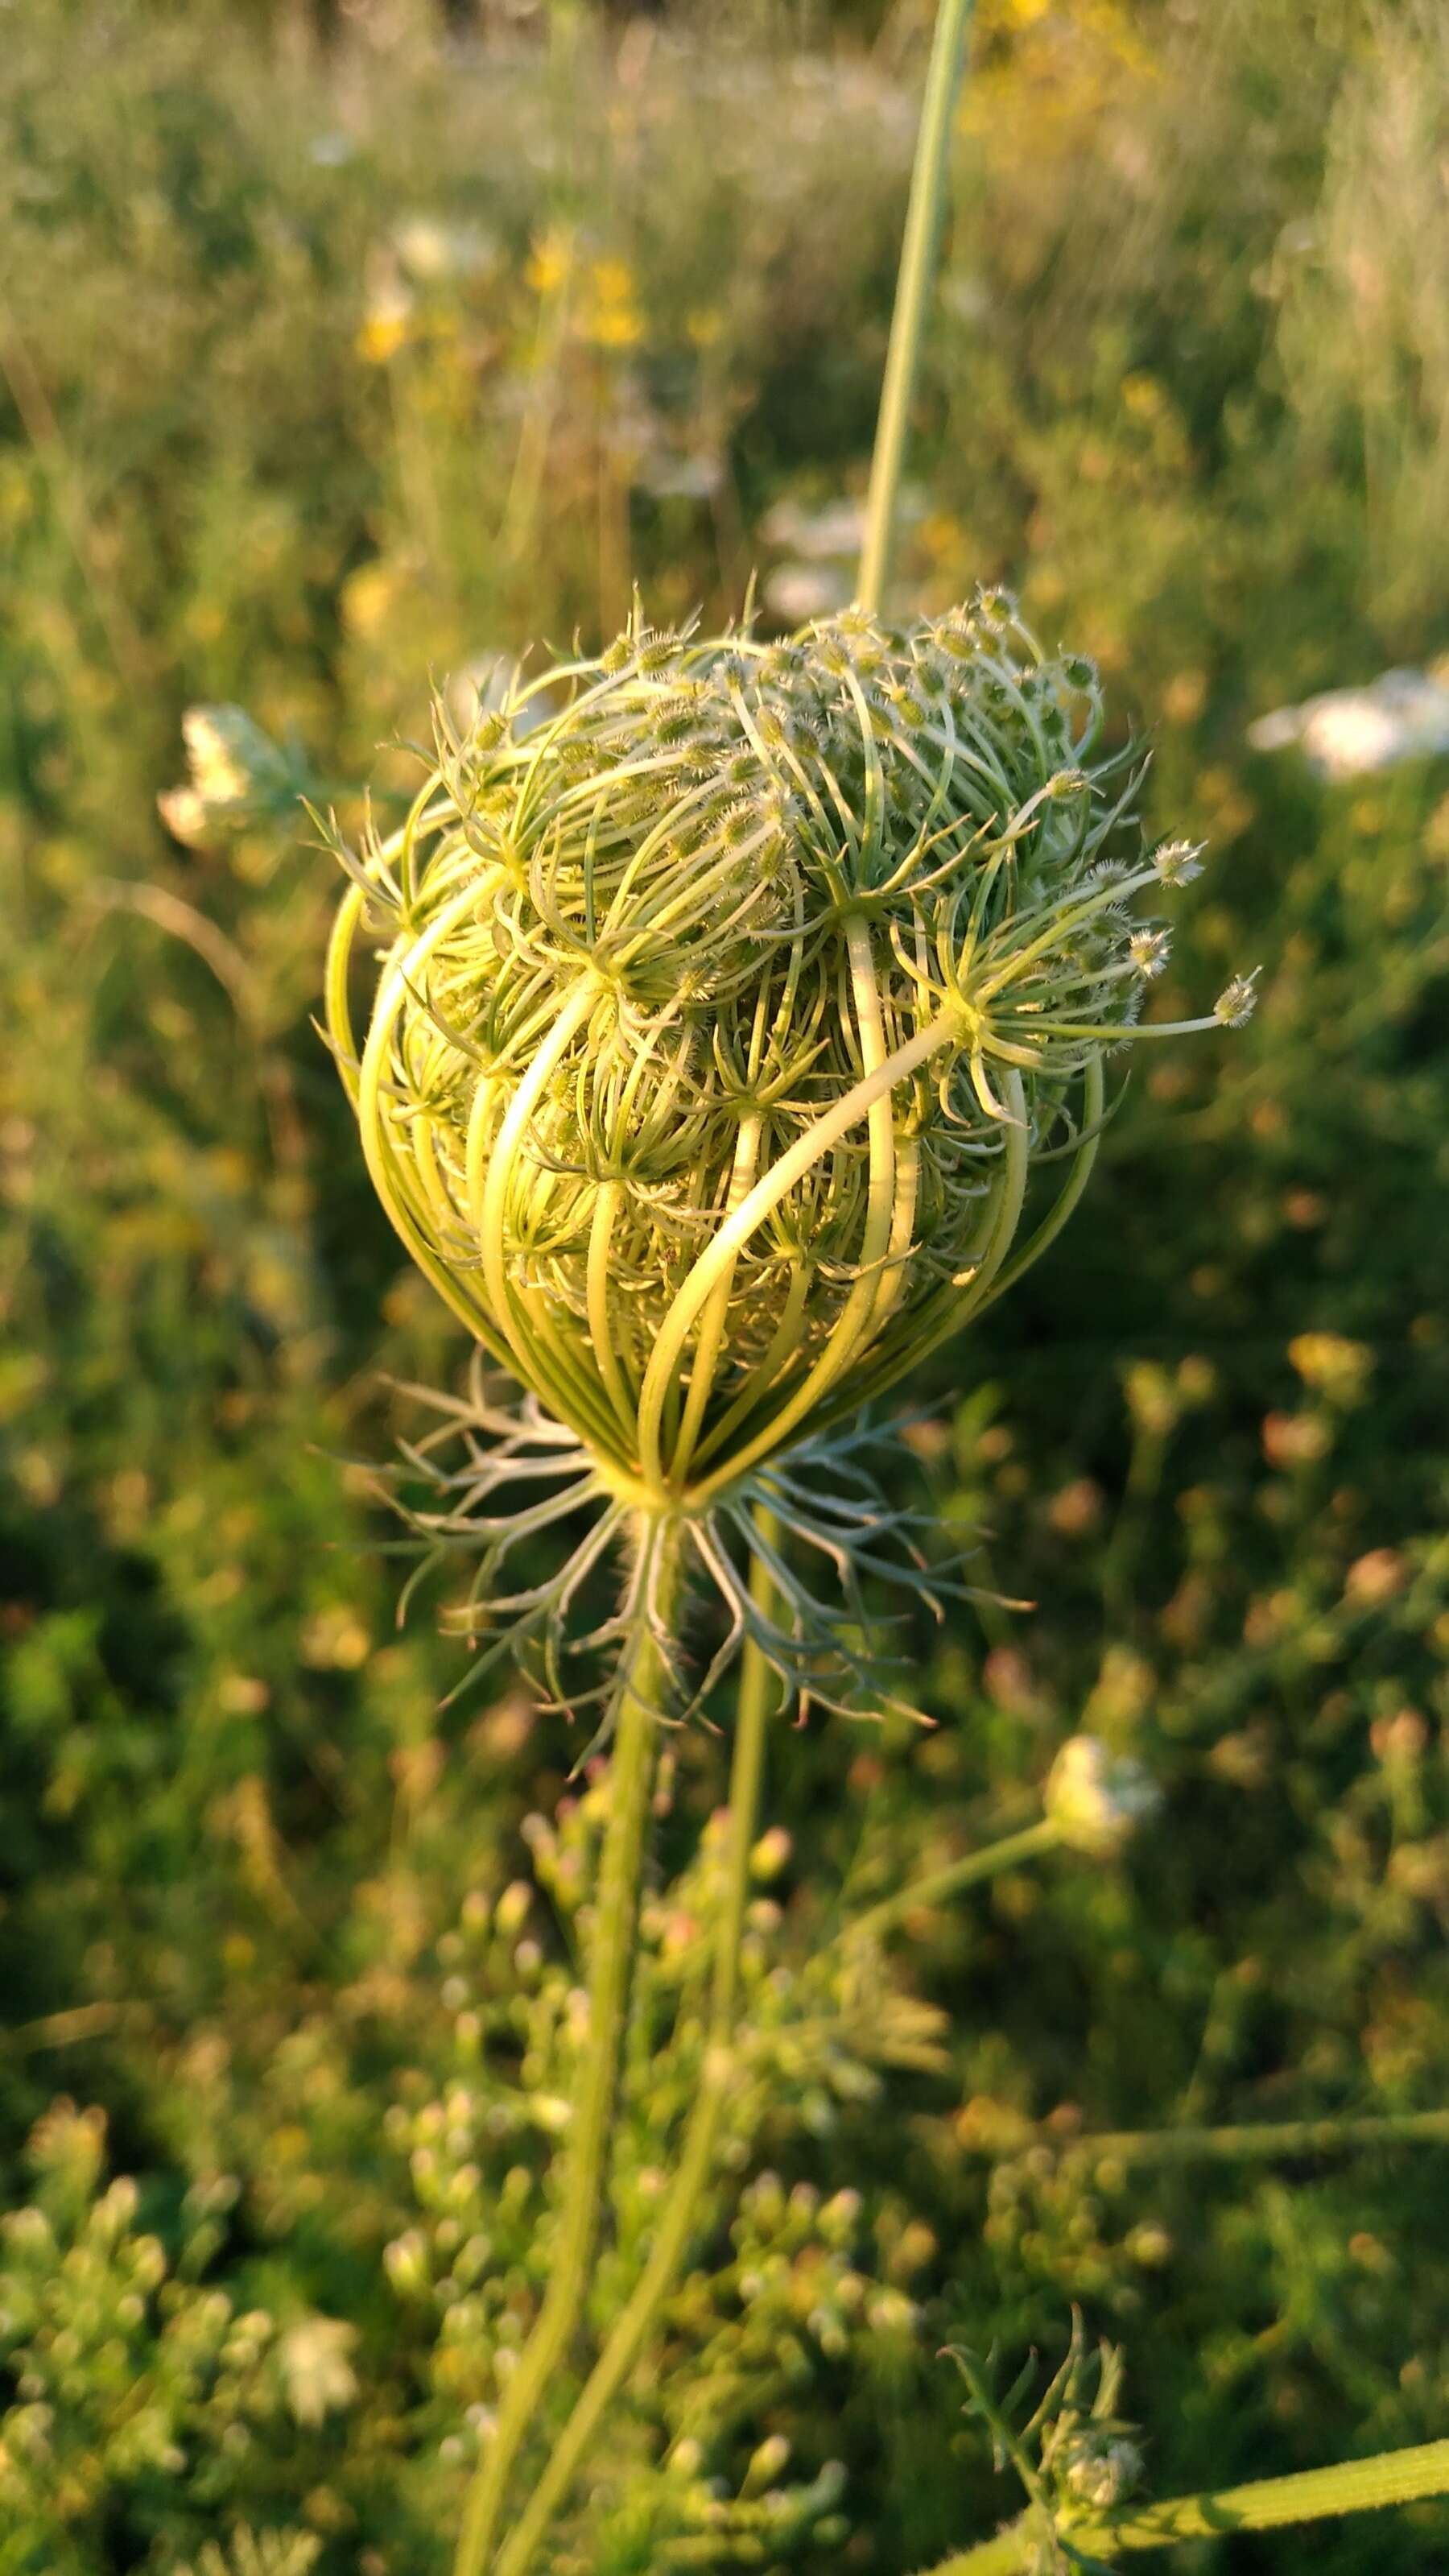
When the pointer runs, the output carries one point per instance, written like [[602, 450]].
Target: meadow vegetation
[[325, 375]]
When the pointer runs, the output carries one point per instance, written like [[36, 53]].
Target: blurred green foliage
[[325, 374]]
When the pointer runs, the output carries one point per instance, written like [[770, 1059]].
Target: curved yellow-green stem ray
[[596, 1290], [335, 1002], [1007, 1216], [773, 1186], [387, 1178], [571, 1017], [711, 1331], [946, 1315]]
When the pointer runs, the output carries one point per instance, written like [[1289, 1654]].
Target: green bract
[[731, 994]]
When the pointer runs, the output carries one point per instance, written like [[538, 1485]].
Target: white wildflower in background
[[795, 592], [1097, 1798], [1402, 715], [318, 2377], [820, 535], [433, 251], [238, 775], [821, 547], [667, 474]]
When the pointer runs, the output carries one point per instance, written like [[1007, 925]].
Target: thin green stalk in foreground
[[677, 2220], [1393, 2477], [1044, 1836], [913, 293], [1247, 2140], [631, 1774]]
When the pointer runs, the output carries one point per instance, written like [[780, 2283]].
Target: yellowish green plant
[[725, 1019]]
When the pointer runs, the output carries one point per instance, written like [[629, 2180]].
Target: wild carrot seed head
[[725, 1015]]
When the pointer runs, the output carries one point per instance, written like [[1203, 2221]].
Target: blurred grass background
[[341, 352]]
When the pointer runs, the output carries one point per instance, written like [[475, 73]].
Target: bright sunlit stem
[[913, 294], [601, 1330]]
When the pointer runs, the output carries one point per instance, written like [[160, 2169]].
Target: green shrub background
[[325, 373]]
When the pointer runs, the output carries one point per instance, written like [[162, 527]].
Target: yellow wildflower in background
[[614, 326], [1052, 70], [384, 330], [1333, 1366], [369, 598], [1142, 396], [614, 320], [613, 281], [550, 260]]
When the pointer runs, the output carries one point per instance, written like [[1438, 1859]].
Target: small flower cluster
[[125, 2370], [811, 2281]]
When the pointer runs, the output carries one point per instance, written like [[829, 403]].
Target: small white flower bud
[[1235, 1004], [1148, 950], [1178, 862], [512, 1908], [1096, 1798], [768, 2463], [1102, 2478], [405, 2262]]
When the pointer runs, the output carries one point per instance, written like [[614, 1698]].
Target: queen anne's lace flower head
[[724, 1016], [732, 998]]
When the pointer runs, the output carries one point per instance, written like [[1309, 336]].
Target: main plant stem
[[631, 1771], [1393, 2477], [913, 294], [677, 2220]]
